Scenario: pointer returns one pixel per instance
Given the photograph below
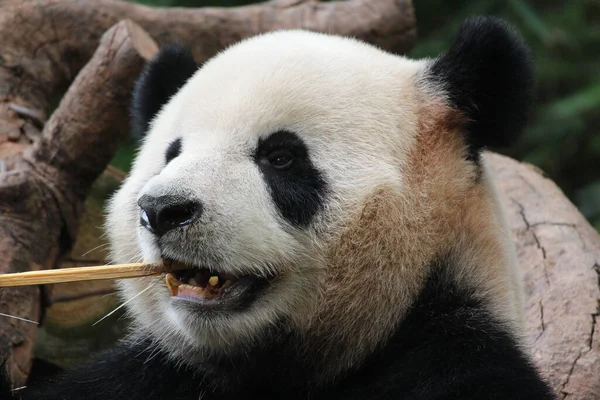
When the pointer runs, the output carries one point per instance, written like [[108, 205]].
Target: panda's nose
[[164, 213]]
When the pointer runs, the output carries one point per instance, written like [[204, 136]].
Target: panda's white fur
[[358, 110], [391, 270], [294, 80]]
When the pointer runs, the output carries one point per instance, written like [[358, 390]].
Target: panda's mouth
[[211, 288]]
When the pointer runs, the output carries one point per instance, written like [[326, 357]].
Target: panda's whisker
[[224, 338], [152, 284], [19, 318], [102, 246], [153, 353]]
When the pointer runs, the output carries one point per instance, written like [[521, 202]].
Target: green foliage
[[563, 137], [124, 157]]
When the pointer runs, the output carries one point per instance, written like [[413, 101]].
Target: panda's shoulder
[[449, 345]]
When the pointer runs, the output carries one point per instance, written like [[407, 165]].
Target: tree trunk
[[43, 189], [559, 253]]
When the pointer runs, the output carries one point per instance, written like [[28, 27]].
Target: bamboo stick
[[60, 275]]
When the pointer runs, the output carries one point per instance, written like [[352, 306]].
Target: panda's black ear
[[161, 78], [488, 75]]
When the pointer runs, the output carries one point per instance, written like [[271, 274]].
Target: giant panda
[[332, 225]]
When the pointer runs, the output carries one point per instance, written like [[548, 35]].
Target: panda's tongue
[[200, 284]]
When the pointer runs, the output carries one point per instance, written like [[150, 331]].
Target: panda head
[[307, 182]]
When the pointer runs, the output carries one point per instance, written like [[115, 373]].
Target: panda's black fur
[[449, 345], [488, 76], [173, 150], [160, 80]]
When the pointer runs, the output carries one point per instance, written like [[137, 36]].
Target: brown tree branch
[[560, 255], [43, 190], [46, 42]]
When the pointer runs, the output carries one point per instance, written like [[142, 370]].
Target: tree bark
[[46, 42], [44, 188], [559, 253]]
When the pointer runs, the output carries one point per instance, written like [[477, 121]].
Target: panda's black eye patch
[[173, 150], [297, 187]]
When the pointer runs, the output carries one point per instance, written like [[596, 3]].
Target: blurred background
[[563, 137]]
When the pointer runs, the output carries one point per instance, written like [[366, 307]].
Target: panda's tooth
[[196, 289], [213, 281], [211, 292], [172, 284], [199, 290]]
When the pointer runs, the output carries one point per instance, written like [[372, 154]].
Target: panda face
[[249, 173], [307, 182]]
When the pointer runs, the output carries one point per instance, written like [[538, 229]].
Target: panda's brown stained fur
[[380, 262]]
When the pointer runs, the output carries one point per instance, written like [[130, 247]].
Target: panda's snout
[[164, 213]]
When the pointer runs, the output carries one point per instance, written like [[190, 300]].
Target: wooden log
[[46, 42], [43, 190], [559, 253], [70, 332]]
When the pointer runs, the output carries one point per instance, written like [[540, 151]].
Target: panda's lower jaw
[[212, 290]]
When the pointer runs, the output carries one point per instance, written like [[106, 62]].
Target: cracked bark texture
[[559, 253]]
